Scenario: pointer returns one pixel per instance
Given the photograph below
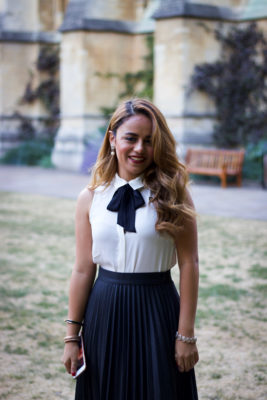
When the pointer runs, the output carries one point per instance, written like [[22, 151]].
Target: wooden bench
[[214, 162]]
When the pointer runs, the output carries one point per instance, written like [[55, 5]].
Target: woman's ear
[[112, 138]]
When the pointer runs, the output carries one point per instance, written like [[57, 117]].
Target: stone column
[[180, 44], [95, 54], [20, 39], [69, 148]]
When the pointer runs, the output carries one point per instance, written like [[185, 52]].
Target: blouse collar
[[136, 183]]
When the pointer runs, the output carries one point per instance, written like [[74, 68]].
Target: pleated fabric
[[129, 335]]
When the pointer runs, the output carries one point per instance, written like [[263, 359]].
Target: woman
[[133, 220]]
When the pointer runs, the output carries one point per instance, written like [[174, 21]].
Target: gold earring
[[112, 153]]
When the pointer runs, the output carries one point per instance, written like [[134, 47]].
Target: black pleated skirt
[[129, 335]]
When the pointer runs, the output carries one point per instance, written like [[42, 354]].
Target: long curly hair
[[166, 176]]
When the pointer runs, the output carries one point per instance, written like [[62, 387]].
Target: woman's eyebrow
[[130, 133], [135, 134]]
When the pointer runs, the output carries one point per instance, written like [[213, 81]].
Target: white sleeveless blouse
[[142, 251]]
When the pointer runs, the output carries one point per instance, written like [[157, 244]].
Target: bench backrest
[[231, 160]]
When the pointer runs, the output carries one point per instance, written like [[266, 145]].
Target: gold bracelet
[[71, 341], [73, 338]]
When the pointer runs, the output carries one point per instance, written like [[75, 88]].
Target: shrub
[[253, 163], [30, 152], [237, 83]]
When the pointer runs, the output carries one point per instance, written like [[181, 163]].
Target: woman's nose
[[139, 146]]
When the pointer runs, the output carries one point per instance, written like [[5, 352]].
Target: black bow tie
[[126, 200]]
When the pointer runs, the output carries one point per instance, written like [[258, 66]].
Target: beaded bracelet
[[185, 339]]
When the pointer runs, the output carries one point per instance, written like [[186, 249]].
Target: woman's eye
[[133, 140]]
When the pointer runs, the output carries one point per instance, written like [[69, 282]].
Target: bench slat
[[216, 162]]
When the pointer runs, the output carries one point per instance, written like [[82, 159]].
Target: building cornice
[[30, 37], [171, 9], [107, 25]]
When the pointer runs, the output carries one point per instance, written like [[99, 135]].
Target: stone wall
[[92, 65], [180, 44], [100, 41], [184, 37], [117, 10], [26, 25]]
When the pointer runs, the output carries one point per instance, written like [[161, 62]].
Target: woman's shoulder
[[85, 199], [188, 199], [86, 194]]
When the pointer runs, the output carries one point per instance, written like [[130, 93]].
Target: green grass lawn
[[37, 254]]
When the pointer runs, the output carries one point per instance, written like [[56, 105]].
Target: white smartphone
[[81, 359]]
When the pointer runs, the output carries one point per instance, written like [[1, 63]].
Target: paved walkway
[[245, 202]]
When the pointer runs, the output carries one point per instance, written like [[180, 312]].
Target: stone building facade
[[102, 40], [25, 26]]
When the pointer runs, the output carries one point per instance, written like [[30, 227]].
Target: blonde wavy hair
[[166, 177]]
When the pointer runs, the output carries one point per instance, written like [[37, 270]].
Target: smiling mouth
[[137, 159]]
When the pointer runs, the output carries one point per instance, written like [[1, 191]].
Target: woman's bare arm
[[82, 277], [187, 251]]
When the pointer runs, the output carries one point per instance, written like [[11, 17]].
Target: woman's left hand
[[186, 355]]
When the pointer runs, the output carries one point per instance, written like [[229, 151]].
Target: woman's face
[[133, 146]]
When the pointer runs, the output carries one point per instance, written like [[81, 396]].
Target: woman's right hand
[[70, 357]]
